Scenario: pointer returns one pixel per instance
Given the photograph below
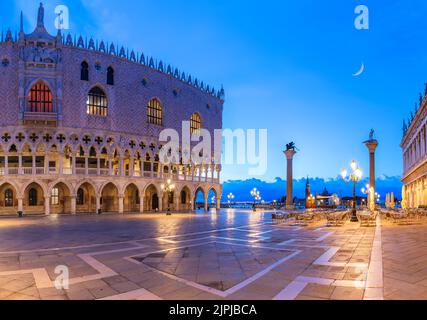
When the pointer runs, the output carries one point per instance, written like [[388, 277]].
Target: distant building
[[309, 198], [414, 150], [326, 199]]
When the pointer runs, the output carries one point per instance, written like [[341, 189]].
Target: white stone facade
[[414, 148], [68, 161]]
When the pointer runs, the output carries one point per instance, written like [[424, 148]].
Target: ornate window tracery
[[40, 98], [155, 112], [97, 103]]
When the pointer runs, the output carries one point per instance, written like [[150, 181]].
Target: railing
[[13, 171], [104, 172], [80, 171], [92, 171], [66, 171]]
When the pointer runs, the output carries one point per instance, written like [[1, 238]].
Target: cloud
[[275, 190]]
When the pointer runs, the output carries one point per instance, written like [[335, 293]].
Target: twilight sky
[[285, 65]]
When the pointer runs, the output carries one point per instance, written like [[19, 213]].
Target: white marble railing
[[93, 172]]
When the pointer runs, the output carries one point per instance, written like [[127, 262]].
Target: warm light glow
[[358, 173], [343, 173], [353, 165]]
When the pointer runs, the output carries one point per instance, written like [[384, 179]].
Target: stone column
[[47, 205], [121, 204], [20, 164], [110, 166], [289, 178], [161, 202], [141, 203], [131, 166], [73, 205], [61, 164], [218, 203], [98, 166], [21, 204], [98, 203], [372, 146], [86, 166], [46, 163], [34, 164], [6, 165], [73, 169], [206, 203]]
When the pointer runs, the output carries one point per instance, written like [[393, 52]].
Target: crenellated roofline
[[110, 49]]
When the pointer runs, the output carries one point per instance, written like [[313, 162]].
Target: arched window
[[80, 197], [110, 76], [8, 198], [32, 197], [195, 123], [40, 98], [97, 103], [84, 74], [155, 112], [55, 196]]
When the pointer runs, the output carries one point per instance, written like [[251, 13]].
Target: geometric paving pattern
[[232, 254], [405, 261]]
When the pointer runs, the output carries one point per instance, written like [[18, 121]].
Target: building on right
[[414, 149]]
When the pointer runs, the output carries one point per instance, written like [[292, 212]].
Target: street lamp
[[168, 187], [230, 198], [256, 195], [354, 177]]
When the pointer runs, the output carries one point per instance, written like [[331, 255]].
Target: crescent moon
[[361, 70]]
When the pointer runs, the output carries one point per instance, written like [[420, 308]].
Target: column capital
[[371, 145], [290, 154]]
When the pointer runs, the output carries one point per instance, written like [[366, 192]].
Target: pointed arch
[[84, 71], [155, 112], [97, 102], [40, 98]]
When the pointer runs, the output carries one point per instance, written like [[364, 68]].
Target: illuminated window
[[55, 196], [195, 123], [40, 98], [8, 198], [155, 112], [84, 74], [97, 103]]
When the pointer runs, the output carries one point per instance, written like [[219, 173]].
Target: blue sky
[[286, 66]]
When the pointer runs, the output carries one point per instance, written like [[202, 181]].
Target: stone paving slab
[[228, 255]]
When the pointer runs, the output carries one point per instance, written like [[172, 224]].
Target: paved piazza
[[226, 255]]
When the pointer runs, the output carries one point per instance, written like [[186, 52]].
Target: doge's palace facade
[[80, 124]]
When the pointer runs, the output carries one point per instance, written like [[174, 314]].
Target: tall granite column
[[372, 146], [289, 177]]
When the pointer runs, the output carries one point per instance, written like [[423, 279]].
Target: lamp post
[[354, 177], [168, 187], [256, 195], [230, 198]]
